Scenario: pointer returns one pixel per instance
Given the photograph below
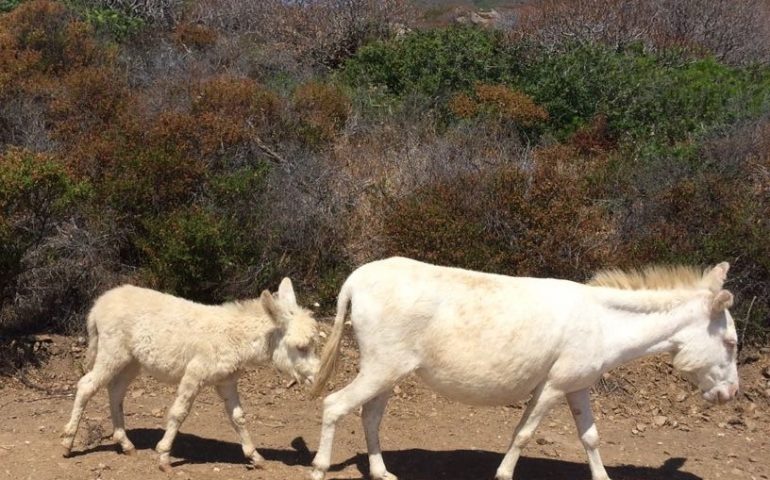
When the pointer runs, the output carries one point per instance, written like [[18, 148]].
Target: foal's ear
[[716, 277], [722, 301], [286, 292], [268, 303]]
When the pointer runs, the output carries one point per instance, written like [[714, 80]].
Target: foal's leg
[[580, 405], [229, 393], [188, 389], [371, 416], [368, 384], [117, 391], [542, 401]]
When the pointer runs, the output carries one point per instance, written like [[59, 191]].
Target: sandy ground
[[653, 426]]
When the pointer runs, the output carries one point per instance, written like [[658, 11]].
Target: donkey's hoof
[[385, 476], [131, 452], [317, 474], [166, 468], [66, 452]]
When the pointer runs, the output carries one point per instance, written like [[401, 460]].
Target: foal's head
[[295, 345], [706, 351]]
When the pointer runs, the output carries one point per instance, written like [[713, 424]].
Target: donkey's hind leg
[[371, 417], [117, 391], [102, 372], [369, 383]]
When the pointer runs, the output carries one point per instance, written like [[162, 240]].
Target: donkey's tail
[[93, 341], [332, 348]]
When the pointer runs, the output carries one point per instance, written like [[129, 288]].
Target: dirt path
[[652, 427]]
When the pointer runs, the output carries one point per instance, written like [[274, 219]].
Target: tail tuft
[[93, 342], [331, 350]]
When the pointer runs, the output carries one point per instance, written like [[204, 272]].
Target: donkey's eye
[[730, 343]]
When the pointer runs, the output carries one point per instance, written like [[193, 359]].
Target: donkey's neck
[[641, 323]]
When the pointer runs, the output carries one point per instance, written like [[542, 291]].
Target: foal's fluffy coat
[[179, 341]]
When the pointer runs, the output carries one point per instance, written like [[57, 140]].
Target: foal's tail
[[332, 348], [93, 341]]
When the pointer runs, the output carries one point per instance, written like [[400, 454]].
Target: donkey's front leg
[[542, 401], [229, 393], [580, 405], [188, 389]]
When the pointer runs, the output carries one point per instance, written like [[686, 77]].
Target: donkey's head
[[707, 349], [294, 345]]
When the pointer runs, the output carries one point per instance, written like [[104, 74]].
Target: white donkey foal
[[179, 341], [492, 340]]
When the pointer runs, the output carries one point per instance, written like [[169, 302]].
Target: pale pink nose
[[733, 389]]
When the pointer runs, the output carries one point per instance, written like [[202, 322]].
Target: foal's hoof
[[66, 452], [166, 468], [131, 452], [256, 460]]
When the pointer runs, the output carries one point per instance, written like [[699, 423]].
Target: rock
[[157, 412], [482, 18], [641, 427], [137, 393], [681, 397], [544, 441], [766, 372], [659, 420]]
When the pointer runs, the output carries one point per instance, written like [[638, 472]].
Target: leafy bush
[[36, 193], [8, 5], [321, 109], [113, 22], [526, 221], [641, 95], [433, 62]]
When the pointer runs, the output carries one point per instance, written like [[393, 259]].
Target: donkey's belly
[[482, 386]]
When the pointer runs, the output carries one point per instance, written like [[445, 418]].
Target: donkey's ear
[[722, 301], [286, 292], [272, 309], [716, 277]]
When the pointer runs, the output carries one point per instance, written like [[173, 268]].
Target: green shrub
[[8, 5], [189, 252], [113, 22], [432, 63], [642, 95], [36, 192]]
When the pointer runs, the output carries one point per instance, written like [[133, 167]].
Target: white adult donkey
[[179, 341], [492, 340]]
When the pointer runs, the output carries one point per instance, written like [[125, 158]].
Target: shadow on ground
[[414, 464], [418, 464]]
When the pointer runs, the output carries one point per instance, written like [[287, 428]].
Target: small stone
[[137, 393], [544, 441], [659, 420], [681, 397], [157, 412], [641, 427], [766, 372]]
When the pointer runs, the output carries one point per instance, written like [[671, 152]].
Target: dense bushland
[[209, 148]]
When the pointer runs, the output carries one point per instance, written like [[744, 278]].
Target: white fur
[[492, 340], [194, 345]]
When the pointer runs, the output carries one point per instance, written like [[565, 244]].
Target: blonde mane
[[656, 277]]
